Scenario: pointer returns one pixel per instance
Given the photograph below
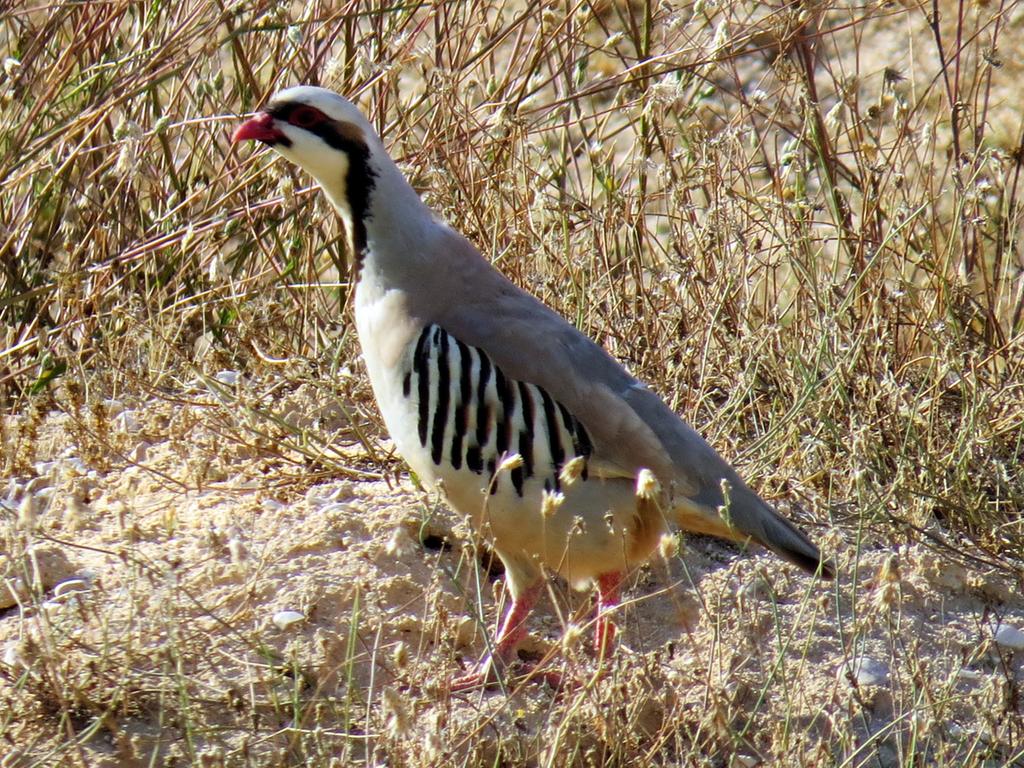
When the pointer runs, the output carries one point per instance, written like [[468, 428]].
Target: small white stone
[[45, 467], [127, 421], [13, 591], [228, 378], [465, 632], [113, 406], [37, 484], [14, 489], [1009, 636], [14, 655], [400, 544], [70, 587], [333, 508], [271, 505], [237, 550], [869, 671], [344, 491], [285, 619]]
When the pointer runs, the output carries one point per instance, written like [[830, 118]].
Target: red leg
[[512, 631], [607, 599]]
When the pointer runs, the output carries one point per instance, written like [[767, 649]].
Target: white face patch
[[329, 166]]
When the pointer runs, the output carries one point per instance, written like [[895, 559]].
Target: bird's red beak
[[259, 128]]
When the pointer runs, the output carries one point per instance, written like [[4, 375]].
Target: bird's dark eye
[[306, 117]]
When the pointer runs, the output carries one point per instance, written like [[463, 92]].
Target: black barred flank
[[581, 444], [443, 394], [421, 367], [507, 397], [525, 440], [462, 408], [554, 437], [474, 456], [488, 422], [474, 459], [567, 418]]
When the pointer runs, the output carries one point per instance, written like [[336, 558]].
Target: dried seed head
[[397, 713], [613, 39], [510, 462], [889, 573], [572, 470], [551, 502], [571, 637], [892, 77], [647, 485], [401, 655], [27, 513], [668, 546], [720, 39]]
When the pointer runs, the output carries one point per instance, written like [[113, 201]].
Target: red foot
[[486, 676]]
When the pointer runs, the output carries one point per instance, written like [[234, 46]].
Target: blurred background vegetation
[[799, 222]]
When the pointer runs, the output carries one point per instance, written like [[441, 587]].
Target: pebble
[[14, 656], [755, 591], [285, 619], [113, 407], [333, 508], [141, 452], [869, 671], [70, 587], [1009, 636], [229, 378], [465, 632], [970, 675], [271, 505], [127, 421], [48, 565], [400, 544]]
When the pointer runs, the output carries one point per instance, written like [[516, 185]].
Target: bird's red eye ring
[[305, 117]]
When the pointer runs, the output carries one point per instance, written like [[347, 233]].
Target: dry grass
[[800, 223]]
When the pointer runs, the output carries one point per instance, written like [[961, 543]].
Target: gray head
[[327, 136]]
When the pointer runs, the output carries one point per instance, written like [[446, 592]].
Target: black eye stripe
[[347, 138], [306, 117]]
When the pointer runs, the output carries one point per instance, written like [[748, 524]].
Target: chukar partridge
[[561, 458]]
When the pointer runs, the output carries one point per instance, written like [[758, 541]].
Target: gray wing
[[631, 428]]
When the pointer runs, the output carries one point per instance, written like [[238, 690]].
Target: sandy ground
[[236, 615], [191, 596]]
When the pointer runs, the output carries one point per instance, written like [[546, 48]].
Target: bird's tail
[[746, 516]]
